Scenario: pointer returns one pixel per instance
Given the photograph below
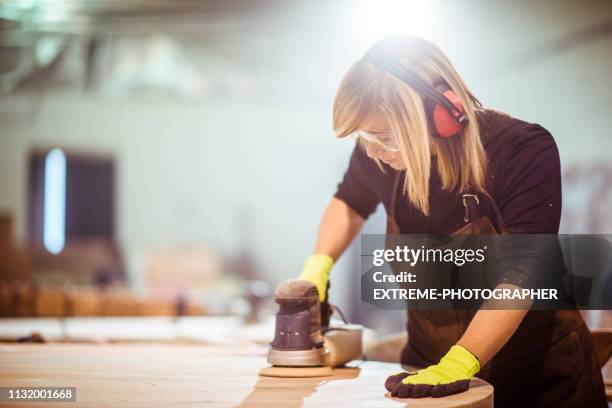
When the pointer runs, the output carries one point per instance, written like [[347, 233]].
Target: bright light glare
[[375, 19], [54, 224]]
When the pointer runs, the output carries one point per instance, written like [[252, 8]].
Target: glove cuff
[[462, 359]]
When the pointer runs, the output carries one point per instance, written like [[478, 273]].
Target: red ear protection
[[444, 123], [444, 110]]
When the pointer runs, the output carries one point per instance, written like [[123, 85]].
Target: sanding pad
[[296, 372]]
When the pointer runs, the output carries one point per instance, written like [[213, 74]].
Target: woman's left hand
[[450, 376]]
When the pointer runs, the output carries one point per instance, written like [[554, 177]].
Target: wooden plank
[[606, 372], [162, 375]]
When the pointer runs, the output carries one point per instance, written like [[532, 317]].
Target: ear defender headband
[[444, 109]]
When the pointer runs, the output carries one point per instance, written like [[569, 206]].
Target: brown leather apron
[[550, 360]]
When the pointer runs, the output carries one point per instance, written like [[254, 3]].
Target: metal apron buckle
[[466, 218]]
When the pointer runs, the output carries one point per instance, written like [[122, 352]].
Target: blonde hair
[[366, 90]]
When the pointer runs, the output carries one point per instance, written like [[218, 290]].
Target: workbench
[[182, 375]]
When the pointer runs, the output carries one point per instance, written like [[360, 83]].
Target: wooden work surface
[[175, 375]]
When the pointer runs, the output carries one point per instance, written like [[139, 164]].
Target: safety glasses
[[385, 140]]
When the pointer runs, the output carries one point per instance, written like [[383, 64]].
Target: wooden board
[[607, 376], [164, 375], [296, 372]]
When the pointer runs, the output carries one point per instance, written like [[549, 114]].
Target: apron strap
[[471, 202]]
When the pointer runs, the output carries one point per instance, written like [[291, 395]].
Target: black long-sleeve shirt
[[523, 178]]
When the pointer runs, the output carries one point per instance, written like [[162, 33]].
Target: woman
[[444, 165]]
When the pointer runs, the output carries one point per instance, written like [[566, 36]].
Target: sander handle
[[326, 311]]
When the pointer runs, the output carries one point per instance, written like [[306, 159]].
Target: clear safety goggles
[[385, 140]]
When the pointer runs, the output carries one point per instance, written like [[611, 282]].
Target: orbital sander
[[305, 345]]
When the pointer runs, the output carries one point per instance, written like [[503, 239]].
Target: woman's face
[[379, 128]]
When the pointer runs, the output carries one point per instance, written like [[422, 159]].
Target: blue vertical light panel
[[54, 225]]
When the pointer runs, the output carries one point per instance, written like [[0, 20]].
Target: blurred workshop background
[[173, 157]]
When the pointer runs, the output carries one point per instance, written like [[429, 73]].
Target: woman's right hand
[[316, 270]]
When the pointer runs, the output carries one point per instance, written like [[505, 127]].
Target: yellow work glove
[[450, 376], [316, 270]]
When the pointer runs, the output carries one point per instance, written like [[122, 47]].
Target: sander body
[[304, 343]]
